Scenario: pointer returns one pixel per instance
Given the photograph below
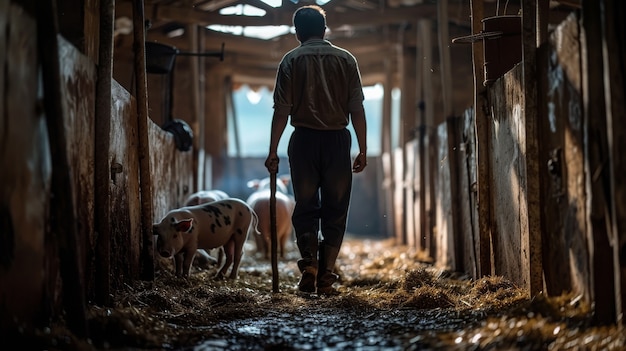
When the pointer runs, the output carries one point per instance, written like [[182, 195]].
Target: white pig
[[202, 257], [259, 200], [223, 223]]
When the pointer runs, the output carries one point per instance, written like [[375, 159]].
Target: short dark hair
[[310, 21]]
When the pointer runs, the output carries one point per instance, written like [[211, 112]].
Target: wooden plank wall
[[444, 234], [28, 245], [78, 81], [26, 173], [565, 251], [124, 190], [568, 179]]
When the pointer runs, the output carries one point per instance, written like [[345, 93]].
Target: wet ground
[[391, 299]]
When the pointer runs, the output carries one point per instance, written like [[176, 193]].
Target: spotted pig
[[223, 223]]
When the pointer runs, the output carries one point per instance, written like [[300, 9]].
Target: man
[[319, 86]]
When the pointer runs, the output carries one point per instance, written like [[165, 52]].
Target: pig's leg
[[188, 261], [229, 250], [178, 263], [237, 254]]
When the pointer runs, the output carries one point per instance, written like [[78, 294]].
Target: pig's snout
[[164, 252]]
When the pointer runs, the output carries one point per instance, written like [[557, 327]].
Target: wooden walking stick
[[274, 237]]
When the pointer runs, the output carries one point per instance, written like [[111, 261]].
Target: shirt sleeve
[[282, 90], [355, 102]]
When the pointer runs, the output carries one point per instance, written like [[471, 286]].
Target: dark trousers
[[321, 176]]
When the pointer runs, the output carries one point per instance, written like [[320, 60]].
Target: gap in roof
[[259, 32]]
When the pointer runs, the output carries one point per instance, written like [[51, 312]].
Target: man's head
[[310, 22]]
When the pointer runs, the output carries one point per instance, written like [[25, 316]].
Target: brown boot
[[325, 284], [326, 278], [308, 245], [308, 279]]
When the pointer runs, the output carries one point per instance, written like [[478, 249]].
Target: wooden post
[[427, 128], [444, 54], [387, 163], [139, 47], [482, 146], [274, 236], [597, 166], [63, 223], [531, 236], [615, 66], [202, 182], [102, 201]]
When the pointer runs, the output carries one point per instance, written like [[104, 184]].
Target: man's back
[[321, 82]]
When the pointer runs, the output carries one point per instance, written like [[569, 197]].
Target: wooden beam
[[281, 16], [531, 235], [482, 148], [145, 178], [102, 196]]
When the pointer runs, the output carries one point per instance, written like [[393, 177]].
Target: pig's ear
[[254, 184], [184, 225]]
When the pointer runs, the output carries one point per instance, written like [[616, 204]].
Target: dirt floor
[[391, 299]]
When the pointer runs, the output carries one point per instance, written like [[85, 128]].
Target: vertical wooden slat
[[427, 148], [597, 166], [444, 54], [614, 28], [63, 223], [201, 117], [194, 78], [102, 201], [531, 235], [482, 145], [387, 186], [139, 48]]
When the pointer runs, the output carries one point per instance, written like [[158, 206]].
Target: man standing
[[319, 86]]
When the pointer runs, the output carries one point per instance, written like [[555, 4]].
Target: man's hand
[[271, 162], [359, 163]]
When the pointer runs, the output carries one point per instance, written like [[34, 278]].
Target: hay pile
[[389, 298]]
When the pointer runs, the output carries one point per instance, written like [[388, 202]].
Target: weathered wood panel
[[409, 193], [597, 165], [398, 195], [174, 169], [614, 71], [26, 172], [460, 235], [78, 74], [125, 214], [467, 196], [507, 176], [444, 233], [565, 252]]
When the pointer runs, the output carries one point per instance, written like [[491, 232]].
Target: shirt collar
[[315, 41]]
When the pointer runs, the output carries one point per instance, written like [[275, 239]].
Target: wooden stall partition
[[410, 212], [430, 175], [529, 144], [173, 170], [597, 166], [508, 220], [561, 159], [78, 76], [28, 270], [398, 195], [444, 226], [125, 211], [467, 213], [457, 197], [613, 29]]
